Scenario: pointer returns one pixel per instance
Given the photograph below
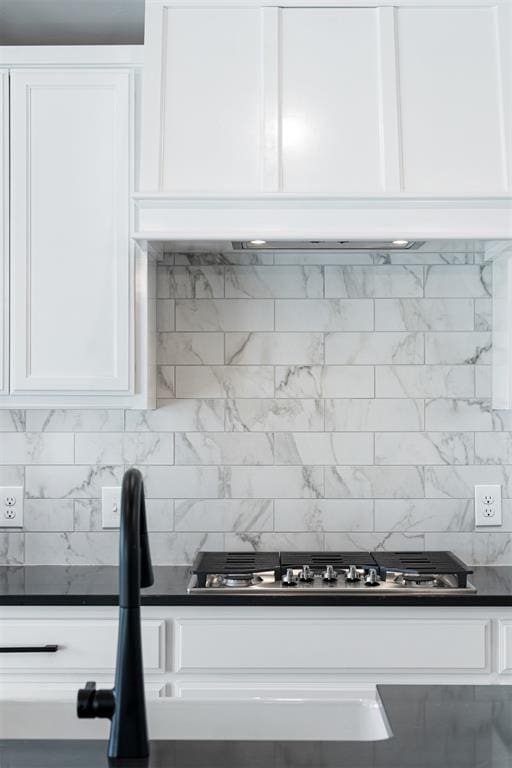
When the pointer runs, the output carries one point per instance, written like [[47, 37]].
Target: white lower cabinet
[[220, 652], [338, 645], [62, 645]]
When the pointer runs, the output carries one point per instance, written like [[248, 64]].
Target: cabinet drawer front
[[331, 644], [80, 645]]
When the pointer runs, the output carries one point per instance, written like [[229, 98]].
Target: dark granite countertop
[[433, 727], [93, 585]]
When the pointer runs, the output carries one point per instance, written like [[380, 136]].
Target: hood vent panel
[[327, 245]]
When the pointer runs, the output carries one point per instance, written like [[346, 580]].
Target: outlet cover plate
[[111, 506], [488, 505], [11, 506]]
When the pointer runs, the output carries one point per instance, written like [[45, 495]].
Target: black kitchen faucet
[[125, 704]]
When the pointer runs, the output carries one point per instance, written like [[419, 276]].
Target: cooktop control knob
[[306, 574], [289, 579], [329, 574], [372, 579], [352, 574]]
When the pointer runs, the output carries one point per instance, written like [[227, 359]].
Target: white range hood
[[345, 120]]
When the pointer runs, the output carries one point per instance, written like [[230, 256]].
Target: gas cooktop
[[316, 573]]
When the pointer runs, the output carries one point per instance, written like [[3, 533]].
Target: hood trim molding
[[160, 217]]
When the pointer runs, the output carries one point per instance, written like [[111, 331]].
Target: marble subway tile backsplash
[[306, 400]]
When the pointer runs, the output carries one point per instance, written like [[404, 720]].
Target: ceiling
[[71, 22]]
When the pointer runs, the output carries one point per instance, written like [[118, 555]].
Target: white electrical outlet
[[111, 506], [488, 505], [11, 506]]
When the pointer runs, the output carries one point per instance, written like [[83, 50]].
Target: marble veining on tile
[[281, 282], [306, 400], [360, 282]]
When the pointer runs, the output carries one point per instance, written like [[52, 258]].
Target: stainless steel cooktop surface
[[315, 573]]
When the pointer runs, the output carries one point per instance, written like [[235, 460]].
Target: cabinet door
[[4, 231], [71, 262], [455, 99]]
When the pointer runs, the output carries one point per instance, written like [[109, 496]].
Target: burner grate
[[424, 563], [234, 562]]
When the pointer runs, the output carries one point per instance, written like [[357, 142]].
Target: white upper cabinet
[[345, 98], [4, 231], [70, 251], [76, 324]]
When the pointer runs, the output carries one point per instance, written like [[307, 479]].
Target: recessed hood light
[[328, 245]]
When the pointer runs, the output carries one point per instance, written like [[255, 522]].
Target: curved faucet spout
[[125, 705], [135, 568]]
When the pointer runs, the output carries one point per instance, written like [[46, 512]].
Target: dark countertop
[[93, 585], [433, 727]]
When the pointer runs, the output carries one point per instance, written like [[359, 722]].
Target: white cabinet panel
[[211, 99], [290, 644], [71, 262], [453, 114], [505, 647], [331, 111], [81, 645], [4, 230], [338, 100]]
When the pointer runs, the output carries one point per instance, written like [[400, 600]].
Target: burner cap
[[418, 580], [239, 579]]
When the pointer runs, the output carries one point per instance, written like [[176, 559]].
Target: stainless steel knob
[[352, 574], [306, 574], [329, 574], [289, 579], [372, 579]]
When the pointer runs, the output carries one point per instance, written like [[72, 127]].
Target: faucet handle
[[85, 700], [91, 703]]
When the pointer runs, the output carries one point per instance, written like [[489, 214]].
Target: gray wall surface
[[71, 22]]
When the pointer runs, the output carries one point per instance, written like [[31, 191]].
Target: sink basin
[[343, 715]]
